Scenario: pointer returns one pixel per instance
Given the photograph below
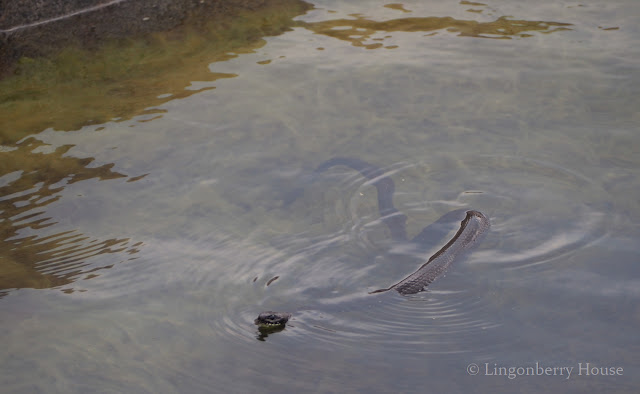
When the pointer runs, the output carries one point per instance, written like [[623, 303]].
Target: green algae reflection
[[33, 178], [359, 30], [131, 77], [79, 87], [124, 78]]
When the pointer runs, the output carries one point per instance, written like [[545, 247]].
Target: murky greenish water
[[142, 246]]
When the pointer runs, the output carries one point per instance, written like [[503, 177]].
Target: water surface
[[139, 242]]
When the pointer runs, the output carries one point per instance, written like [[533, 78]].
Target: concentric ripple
[[540, 214]]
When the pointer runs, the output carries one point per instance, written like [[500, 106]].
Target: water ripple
[[325, 278]]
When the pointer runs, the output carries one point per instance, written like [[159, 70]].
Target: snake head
[[272, 320]]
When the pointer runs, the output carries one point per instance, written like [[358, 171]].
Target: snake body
[[472, 228], [474, 225]]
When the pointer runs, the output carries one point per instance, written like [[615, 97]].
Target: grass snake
[[472, 228]]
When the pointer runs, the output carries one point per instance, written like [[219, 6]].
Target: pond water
[[140, 240]]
